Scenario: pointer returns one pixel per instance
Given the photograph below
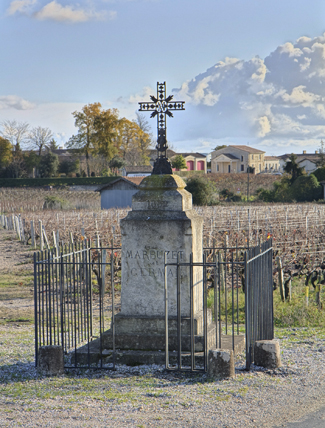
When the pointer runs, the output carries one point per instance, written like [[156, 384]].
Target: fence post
[[41, 234], [35, 311], [280, 276]]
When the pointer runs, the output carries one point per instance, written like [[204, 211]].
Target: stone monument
[[161, 222]]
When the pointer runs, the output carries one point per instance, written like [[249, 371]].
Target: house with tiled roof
[[236, 158], [194, 161], [309, 161], [272, 164]]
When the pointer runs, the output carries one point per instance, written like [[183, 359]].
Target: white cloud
[[289, 49], [21, 6], [299, 96], [54, 11], [15, 102], [264, 126], [280, 96], [142, 97]]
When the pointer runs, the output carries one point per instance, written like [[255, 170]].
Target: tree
[[105, 128], [220, 147], [48, 165], [202, 190], [39, 138], [116, 163], [15, 132], [52, 145], [17, 167], [85, 140], [292, 167], [179, 162], [68, 166], [5, 152], [146, 140], [321, 155], [32, 161], [306, 188]]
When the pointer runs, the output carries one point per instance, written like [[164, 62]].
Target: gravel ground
[[148, 396]]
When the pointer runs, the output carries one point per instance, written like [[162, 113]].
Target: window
[[242, 167], [242, 158], [260, 157], [217, 167], [228, 168]]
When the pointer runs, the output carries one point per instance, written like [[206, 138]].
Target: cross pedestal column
[[161, 221]]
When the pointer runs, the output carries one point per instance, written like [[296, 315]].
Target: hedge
[[66, 181]]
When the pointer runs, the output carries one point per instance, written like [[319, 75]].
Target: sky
[[250, 72]]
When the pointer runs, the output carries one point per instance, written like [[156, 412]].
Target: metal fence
[[75, 303], [259, 321], [71, 306], [224, 272]]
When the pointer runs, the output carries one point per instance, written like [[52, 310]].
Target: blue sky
[[249, 71]]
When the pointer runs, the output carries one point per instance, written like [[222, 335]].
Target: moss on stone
[[163, 182]]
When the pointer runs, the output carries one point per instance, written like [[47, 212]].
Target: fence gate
[[74, 302], [236, 289], [259, 320]]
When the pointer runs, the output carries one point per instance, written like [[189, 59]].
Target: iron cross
[[160, 107]]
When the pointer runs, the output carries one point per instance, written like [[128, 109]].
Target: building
[[272, 164], [136, 171], [235, 159], [194, 161], [118, 193], [309, 161]]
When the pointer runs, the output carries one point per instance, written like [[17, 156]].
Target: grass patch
[[296, 313]]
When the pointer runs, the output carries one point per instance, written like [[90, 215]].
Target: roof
[[313, 157], [229, 155], [142, 168], [135, 181], [271, 158], [247, 149], [195, 155]]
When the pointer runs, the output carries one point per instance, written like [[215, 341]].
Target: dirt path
[[14, 256]]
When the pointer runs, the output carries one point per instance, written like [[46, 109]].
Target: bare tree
[[15, 132], [39, 138]]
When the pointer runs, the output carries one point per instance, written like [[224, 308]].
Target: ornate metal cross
[[160, 107]]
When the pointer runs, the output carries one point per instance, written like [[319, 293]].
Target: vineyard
[[61, 216]]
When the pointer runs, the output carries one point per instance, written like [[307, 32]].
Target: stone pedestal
[[50, 360], [161, 221]]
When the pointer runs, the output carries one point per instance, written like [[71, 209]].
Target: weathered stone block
[[267, 354], [221, 363], [161, 221], [50, 360]]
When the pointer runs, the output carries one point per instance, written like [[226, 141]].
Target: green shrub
[[306, 188], [55, 203], [54, 181], [203, 190]]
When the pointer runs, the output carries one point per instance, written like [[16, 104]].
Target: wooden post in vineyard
[[281, 280], [32, 234], [317, 295], [41, 235], [45, 237]]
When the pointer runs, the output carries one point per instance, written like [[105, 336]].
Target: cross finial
[[160, 107]]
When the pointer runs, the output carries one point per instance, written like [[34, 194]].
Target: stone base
[[50, 360], [221, 363], [148, 333], [267, 354], [140, 357]]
